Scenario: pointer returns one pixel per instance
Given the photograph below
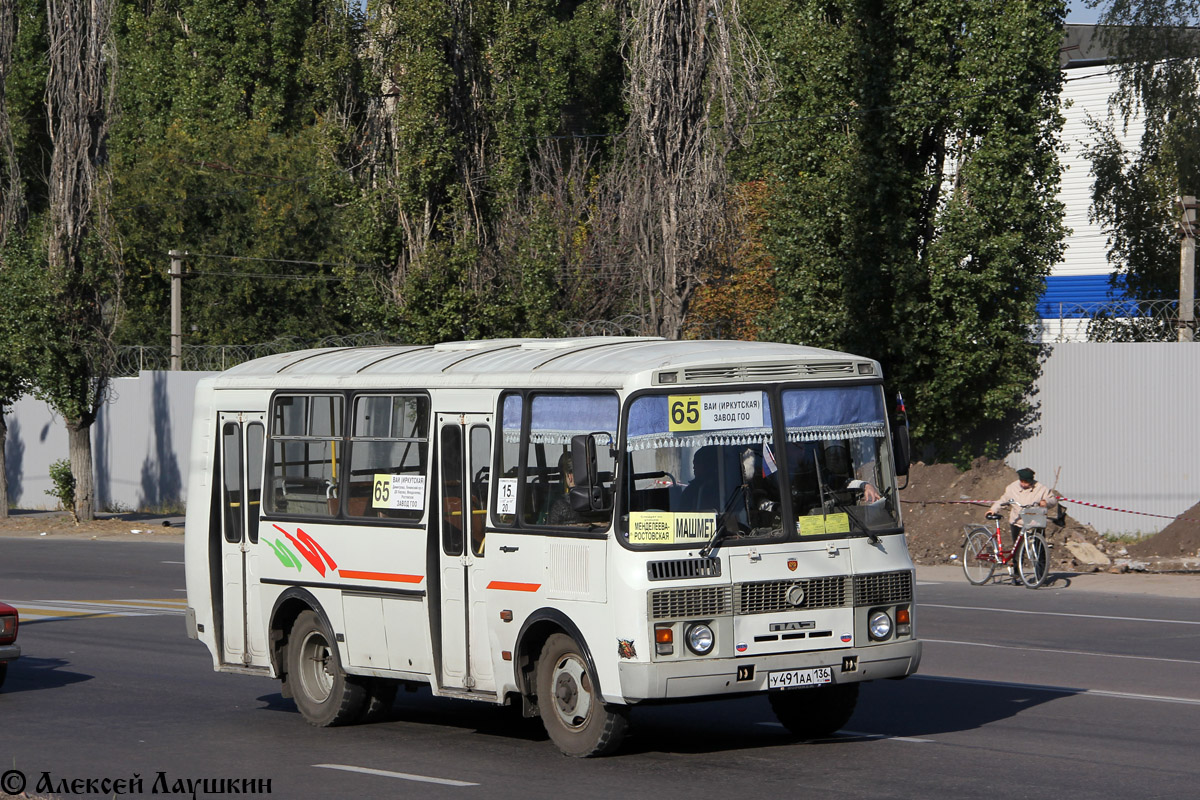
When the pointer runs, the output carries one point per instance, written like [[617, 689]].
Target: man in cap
[[1024, 491]]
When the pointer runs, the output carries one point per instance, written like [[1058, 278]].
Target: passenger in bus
[[561, 512], [701, 492]]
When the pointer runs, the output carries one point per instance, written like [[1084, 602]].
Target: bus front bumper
[[721, 676]]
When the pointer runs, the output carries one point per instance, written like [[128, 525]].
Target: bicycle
[[984, 549]]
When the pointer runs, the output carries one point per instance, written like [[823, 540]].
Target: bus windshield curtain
[[649, 428], [849, 412], [556, 418]]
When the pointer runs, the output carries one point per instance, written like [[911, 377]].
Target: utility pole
[[1187, 267], [176, 275]]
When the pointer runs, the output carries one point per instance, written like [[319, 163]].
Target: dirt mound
[[1180, 538], [940, 500]]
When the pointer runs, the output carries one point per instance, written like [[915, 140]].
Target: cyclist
[[1024, 491]]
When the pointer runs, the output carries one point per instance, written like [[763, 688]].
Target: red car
[[9, 651]]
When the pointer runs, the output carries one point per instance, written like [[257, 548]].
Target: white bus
[[576, 525]]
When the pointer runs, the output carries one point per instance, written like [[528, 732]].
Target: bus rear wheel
[[575, 717], [323, 692], [815, 713]]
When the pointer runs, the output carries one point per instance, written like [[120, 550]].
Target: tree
[[736, 295], [12, 386], [912, 174], [694, 78], [470, 92], [234, 142], [66, 344], [18, 110], [1156, 51]]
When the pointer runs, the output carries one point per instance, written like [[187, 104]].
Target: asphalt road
[[1062, 692]]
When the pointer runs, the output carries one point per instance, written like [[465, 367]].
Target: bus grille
[[697, 601], [883, 588], [684, 568], [769, 597], [752, 372]]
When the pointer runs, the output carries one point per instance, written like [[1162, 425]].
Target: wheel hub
[[572, 692]]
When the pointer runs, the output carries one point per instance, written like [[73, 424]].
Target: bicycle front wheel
[[1034, 561], [979, 555]]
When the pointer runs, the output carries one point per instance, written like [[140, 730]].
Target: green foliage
[[24, 92], [234, 128], [911, 213], [64, 485], [1158, 53], [469, 98], [48, 324]]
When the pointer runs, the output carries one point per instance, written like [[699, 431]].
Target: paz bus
[[573, 525]]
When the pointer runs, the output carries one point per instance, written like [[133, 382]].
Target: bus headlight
[[879, 625], [700, 639]]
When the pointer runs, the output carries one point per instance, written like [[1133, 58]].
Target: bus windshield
[[717, 464]]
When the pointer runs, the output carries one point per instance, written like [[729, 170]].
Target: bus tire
[[578, 722], [323, 692], [381, 696], [815, 713]]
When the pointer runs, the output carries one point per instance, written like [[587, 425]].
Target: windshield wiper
[[723, 523], [829, 498]]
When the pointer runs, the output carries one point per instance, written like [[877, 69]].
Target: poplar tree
[[1155, 53], [911, 174]]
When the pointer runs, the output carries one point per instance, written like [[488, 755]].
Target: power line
[[276, 260], [278, 276]]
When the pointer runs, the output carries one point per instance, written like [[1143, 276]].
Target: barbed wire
[[131, 359], [1113, 321]]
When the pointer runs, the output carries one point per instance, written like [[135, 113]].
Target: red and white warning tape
[[1061, 500], [1122, 510]]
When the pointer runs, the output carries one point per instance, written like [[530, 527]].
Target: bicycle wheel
[[1034, 559], [979, 555]]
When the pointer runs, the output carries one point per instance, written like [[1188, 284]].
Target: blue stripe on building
[[1074, 296]]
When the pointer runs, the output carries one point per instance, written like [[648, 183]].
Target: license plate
[[796, 678]]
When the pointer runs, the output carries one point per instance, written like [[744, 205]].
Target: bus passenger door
[[464, 459], [243, 638]]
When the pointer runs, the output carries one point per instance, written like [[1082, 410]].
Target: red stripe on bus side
[[381, 576], [514, 587]]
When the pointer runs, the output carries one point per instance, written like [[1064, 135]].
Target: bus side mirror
[[588, 493], [901, 450]]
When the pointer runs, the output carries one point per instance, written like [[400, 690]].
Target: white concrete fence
[[1118, 422]]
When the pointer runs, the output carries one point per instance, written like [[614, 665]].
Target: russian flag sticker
[[846, 638], [741, 647]]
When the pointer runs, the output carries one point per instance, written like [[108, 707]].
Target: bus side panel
[[198, 567], [531, 573], [203, 573]]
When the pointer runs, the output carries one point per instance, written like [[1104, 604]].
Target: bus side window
[[389, 457], [453, 508], [305, 452]]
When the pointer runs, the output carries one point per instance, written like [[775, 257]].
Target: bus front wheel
[[324, 694], [577, 720], [815, 713]]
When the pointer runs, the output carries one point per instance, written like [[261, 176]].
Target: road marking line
[[1187, 701], [887, 736], [1061, 614], [66, 609], [169, 602], [862, 735], [404, 776], [1062, 652], [29, 616]]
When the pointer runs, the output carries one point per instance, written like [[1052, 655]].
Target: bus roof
[[599, 361]]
